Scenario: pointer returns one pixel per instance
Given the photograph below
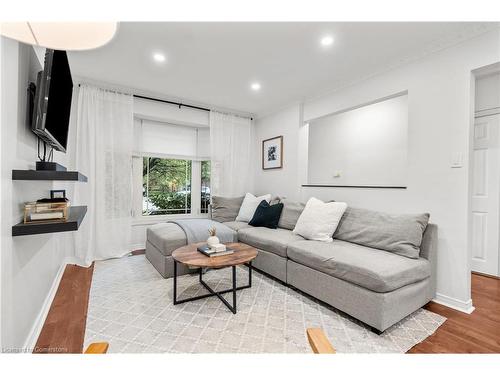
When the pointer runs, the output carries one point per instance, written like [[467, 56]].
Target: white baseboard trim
[[137, 246], [44, 311], [77, 261], [453, 303]]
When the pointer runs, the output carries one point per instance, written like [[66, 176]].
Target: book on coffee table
[[212, 253]]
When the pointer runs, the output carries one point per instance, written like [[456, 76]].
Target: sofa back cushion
[[225, 209], [290, 214], [399, 234]]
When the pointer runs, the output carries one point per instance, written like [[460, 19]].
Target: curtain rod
[[173, 103], [177, 103], [170, 102]]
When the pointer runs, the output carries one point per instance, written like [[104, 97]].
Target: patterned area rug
[[131, 308]]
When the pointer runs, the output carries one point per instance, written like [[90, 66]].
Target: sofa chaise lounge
[[362, 272]]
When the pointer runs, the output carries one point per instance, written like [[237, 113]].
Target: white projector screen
[[366, 146]]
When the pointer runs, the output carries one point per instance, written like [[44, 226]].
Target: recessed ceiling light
[[255, 86], [159, 57], [327, 41]]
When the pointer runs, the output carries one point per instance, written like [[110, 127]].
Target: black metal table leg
[[250, 273], [234, 289], [212, 292], [175, 282]]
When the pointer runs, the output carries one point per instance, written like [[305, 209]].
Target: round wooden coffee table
[[190, 256]]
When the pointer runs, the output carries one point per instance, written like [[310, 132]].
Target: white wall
[[282, 181], [365, 146], [29, 264], [488, 92], [439, 89]]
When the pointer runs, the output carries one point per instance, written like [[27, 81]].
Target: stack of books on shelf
[[45, 210], [215, 250]]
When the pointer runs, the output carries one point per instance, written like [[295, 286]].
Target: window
[[205, 186], [171, 168], [166, 186]]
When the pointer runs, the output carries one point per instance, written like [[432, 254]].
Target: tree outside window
[[166, 186]]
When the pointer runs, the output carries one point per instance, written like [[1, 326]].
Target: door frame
[[487, 70]]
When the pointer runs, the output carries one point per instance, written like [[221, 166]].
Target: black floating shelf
[[75, 218], [18, 174]]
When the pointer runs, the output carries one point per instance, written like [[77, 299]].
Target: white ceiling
[[215, 63]]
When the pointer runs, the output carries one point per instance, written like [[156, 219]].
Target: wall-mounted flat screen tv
[[52, 105]]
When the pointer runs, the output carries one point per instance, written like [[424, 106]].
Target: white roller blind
[[204, 143], [170, 140]]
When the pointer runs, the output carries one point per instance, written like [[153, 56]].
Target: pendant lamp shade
[[67, 36]]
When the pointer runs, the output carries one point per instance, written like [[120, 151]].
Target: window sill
[[155, 219]]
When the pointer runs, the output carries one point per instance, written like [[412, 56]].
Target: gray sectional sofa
[[379, 267]]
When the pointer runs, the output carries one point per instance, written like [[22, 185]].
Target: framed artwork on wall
[[272, 153], [57, 194]]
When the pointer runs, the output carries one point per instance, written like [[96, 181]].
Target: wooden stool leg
[[97, 348], [319, 342]]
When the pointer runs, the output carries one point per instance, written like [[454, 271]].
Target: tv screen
[[53, 100]]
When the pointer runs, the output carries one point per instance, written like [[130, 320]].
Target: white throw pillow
[[249, 205], [319, 220]]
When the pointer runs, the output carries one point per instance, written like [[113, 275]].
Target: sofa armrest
[[429, 242], [428, 250]]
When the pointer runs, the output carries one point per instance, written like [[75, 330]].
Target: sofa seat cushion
[[166, 237], [237, 225], [273, 240], [376, 270]]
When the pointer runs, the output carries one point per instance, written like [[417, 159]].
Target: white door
[[485, 223]]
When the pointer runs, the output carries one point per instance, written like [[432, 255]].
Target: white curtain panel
[[230, 143], [104, 143]]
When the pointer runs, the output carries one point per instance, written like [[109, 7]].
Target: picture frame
[[272, 153], [57, 194]]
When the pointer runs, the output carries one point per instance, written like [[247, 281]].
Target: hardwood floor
[[64, 327], [479, 332]]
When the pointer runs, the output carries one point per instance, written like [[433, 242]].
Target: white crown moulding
[[67, 36]]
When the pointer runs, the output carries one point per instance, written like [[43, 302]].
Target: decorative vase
[[212, 240]]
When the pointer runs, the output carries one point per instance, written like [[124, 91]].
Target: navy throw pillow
[[267, 215]]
